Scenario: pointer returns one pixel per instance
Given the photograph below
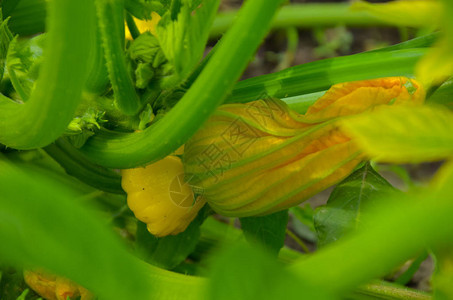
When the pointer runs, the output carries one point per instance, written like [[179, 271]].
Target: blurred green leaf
[[168, 252], [269, 231], [183, 39], [414, 13], [443, 95], [345, 208], [443, 275], [42, 225], [403, 134], [243, 273], [437, 64]]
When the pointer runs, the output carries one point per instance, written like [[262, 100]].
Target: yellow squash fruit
[[159, 196], [261, 157], [52, 287]]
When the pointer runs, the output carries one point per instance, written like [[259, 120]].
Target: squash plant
[[99, 98]]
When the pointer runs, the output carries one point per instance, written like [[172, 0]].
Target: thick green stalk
[[208, 91], [111, 23], [58, 90], [320, 75], [308, 15]]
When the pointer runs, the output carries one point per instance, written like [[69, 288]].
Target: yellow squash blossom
[[53, 287], [159, 196], [261, 157], [145, 25]]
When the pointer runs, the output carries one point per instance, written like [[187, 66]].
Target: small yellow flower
[[145, 25]]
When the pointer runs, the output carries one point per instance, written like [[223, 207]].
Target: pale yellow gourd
[[159, 196]]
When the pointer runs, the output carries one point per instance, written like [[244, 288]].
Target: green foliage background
[[53, 220]]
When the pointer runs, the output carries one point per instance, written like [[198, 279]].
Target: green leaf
[[27, 16], [443, 95], [244, 273], [348, 203], [183, 39], [168, 252], [142, 9], [403, 134], [401, 227], [269, 231]]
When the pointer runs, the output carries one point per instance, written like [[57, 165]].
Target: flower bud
[[261, 157], [53, 287]]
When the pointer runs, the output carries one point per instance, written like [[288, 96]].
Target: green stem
[[58, 89], [119, 150], [75, 164], [297, 240], [292, 44], [307, 16], [111, 24], [385, 290], [320, 75], [407, 276]]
